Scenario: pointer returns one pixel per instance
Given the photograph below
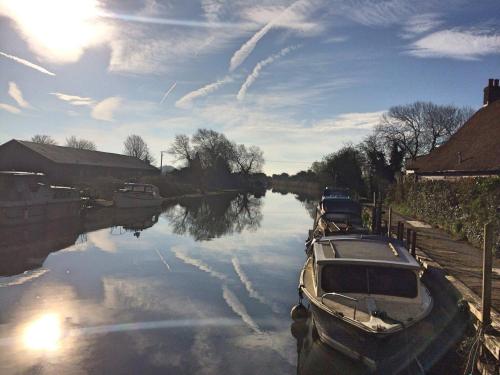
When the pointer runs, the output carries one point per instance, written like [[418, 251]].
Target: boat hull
[[134, 200], [21, 212], [422, 343]]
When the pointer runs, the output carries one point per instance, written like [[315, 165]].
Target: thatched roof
[[68, 155], [475, 147]]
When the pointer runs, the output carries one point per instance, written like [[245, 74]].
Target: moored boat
[[371, 301], [27, 198], [134, 195]]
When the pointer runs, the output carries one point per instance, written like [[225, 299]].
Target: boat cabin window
[[350, 278], [339, 205]]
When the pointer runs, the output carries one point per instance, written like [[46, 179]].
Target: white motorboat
[[369, 301], [27, 198], [134, 195]]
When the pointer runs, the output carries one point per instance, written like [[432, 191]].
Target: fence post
[[374, 218], [389, 222], [401, 230], [413, 243], [408, 237], [487, 265]]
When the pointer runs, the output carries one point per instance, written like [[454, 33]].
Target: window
[[349, 278]]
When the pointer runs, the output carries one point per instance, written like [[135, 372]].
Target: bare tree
[[248, 160], [419, 127], [181, 149], [43, 139], [213, 148], [81, 144], [134, 145]]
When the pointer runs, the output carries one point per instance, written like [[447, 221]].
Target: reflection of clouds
[[197, 263], [235, 304], [23, 278], [102, 240], [249, 287]]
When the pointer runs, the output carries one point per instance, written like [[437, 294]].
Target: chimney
[[491, 92]]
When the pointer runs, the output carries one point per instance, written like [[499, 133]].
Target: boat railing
[[345, 297]]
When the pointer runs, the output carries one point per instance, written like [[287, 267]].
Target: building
[[66, 165], [473, 151]]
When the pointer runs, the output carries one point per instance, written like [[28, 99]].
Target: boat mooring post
[[408, 237], [401, 230], [487, 269], [389, 222], [413, 243]]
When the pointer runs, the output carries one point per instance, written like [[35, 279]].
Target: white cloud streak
[[74, 99], [10, 108], [420, 24], [186, 100], [167, 93], [457, 44], [105, 109], [27, 63], [16, 94], [252, 77]]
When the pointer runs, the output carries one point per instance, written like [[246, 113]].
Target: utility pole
[[161, 162]]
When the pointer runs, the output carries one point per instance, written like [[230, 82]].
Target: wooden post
[[487, 264], [408, 237], [413, 243], [374, 214], [374, 198], [389, 222], [401, 230]]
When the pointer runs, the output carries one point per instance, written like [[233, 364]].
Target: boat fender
[[299, 329], [463, 306], [298, 312]]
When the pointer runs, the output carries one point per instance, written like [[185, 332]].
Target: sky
[[299, 79]]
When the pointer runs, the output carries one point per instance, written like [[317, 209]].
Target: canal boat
[[27, 198], [370, 301], [134, 195], [338, 215]]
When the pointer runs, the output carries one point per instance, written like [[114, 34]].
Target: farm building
[[65, 165], [473, 151]]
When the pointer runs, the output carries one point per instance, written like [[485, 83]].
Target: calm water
[[205, 287]]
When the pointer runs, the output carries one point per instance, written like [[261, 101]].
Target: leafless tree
[[81, 144], [419, 127], [212, 148], [134, 145], [181, 149], [248, 160], [43, 139]]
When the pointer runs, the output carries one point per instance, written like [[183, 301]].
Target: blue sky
[[297, 78]]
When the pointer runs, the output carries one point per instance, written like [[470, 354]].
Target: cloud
[[10, 108], [457, 44], [287, 17], [420, 24], [252, 77], [16, 94], [167, 93], [104, 110], [27, 63], [186, 100], [349, 121], [74, 99], [377, 13]]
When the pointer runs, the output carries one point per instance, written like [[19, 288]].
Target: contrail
[[186, 100], [168, 92], [174, 22], [27, 63], [163, 260], [256, 71]]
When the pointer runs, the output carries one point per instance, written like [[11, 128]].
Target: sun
[[57, 30], [43, 333]]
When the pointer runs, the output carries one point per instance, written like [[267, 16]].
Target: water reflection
[[44, 333], [215, 216]]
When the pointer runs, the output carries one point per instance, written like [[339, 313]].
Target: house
[[473, 151], [66, 165]]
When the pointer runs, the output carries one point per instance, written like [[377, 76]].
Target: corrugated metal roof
[[68, 155], [474, 147]]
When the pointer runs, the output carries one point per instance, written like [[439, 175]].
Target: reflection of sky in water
[[163, 302]]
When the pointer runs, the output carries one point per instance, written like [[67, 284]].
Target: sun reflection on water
[[43, 333]]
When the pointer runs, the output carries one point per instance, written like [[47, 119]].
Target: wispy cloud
[[105, 109], [287, 17], [420, 24], [10, 108], [376, 12], [16, 94], [167, 93], [74, 99], [186, 100], [27, 63], [457, 44], [252, 77]]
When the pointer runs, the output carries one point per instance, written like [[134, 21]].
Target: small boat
[[371, 301], [27, 198], [338, 215], [134, 195], [335, 193]]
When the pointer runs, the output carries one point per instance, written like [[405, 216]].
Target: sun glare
[[44, 333], [58, 30]]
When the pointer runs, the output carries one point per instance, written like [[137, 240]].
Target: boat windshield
[[341, 205], [350, 278]]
